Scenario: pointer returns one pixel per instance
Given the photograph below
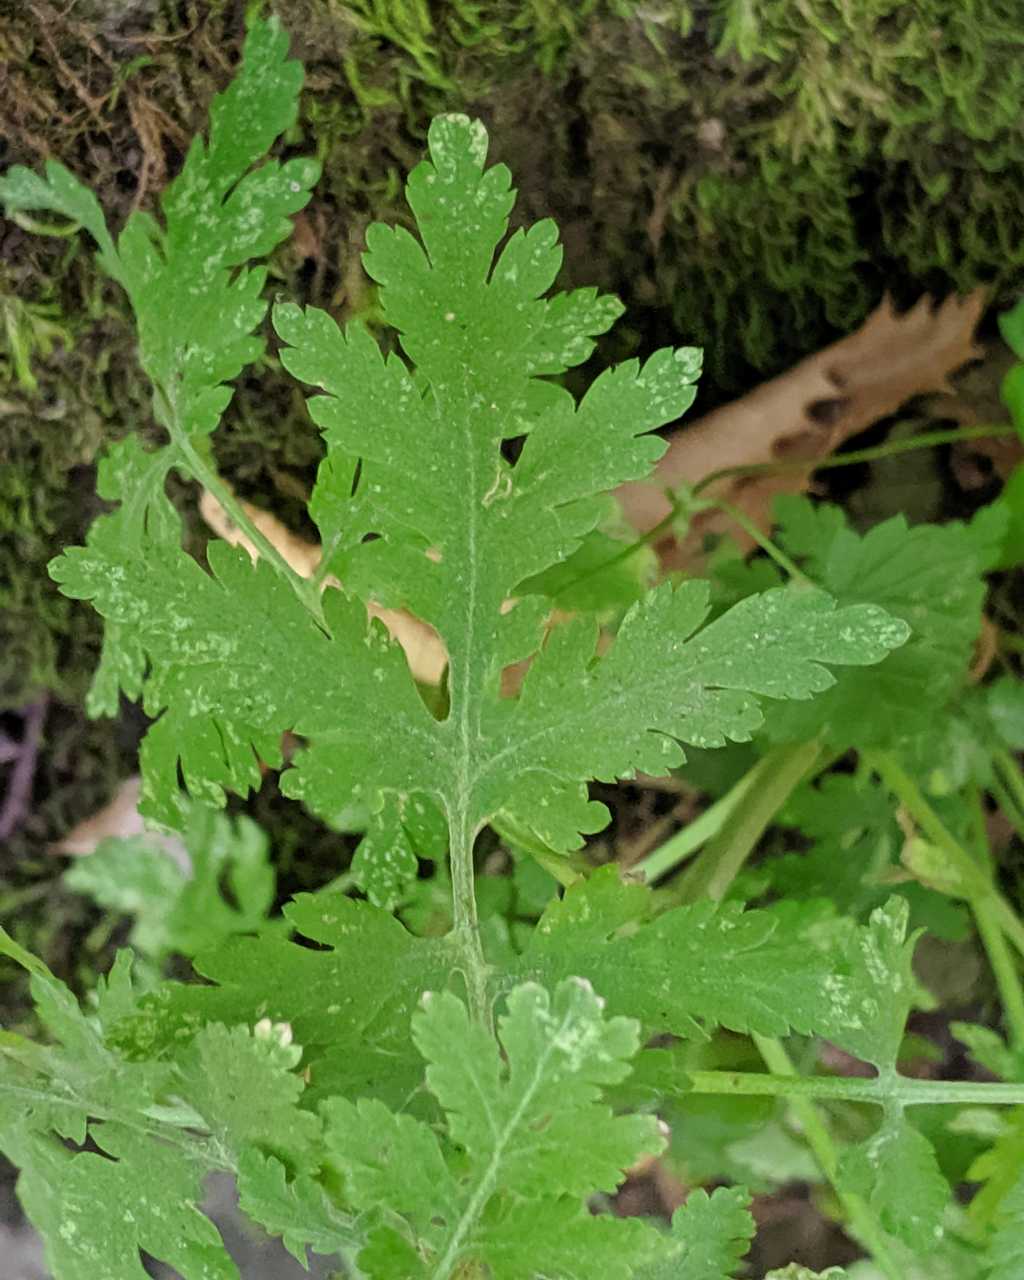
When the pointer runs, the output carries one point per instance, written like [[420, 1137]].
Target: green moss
[[56, 391]]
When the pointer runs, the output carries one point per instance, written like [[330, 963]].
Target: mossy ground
[[749, 177]]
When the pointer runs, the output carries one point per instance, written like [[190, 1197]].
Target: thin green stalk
[[1012, 777], [465, 934], [306, 590], [775, 552], [326, 552], [913, 799], [774, 778], [167, 413], [1005, 969], [665, 524], [631, 548], [904, 1090], [340, 884], [27, 223], [927, 440], [863, 1222], [1007, 805], [977, 883], [1008, 920], [1001, 960], [15, 899]]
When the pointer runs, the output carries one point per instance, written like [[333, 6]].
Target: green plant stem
[[772, 781], [306, 590], [1012, 778], [1000, 958], [63, 231], [977, 882], [15, 899], [1005, 969], [901, 1089], [862, 1220], [339, 884], [788, 567], [465, 934], [326, 554], [167, 413], [1009, 921], [1007, 805]]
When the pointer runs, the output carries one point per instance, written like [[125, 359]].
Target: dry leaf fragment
[[806, 414], [119, 817]]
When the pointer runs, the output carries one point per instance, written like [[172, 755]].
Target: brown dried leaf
[[806, 414], [119, 817]]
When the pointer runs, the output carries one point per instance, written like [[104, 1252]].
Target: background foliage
[[743, 178]]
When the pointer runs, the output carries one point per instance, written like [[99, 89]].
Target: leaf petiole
[[1013, 781], [465, 934], [306, 590], [903, 1090], [1000, 958], [978, 885]]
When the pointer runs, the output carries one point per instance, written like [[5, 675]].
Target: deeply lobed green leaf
[[348, 998], [527, 1137], [150, 1197], [422, 510], [896, 1172]]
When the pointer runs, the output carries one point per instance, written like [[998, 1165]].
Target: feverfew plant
[[422, 1106]]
